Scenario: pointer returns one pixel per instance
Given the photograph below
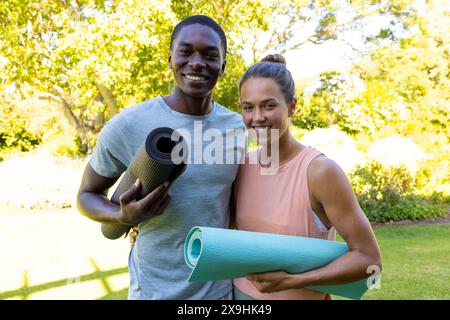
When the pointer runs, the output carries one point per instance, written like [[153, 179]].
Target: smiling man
[[200, 196]]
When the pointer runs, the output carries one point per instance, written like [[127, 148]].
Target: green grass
[[416, 265], [416, 262]]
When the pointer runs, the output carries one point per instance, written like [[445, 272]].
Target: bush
[[389, 194], [14, 134], [336, 145]]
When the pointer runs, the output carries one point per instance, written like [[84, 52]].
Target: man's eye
[[184, 52]]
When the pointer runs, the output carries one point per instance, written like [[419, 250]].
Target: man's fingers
[[163, 205], [130, 194], [152, 199]]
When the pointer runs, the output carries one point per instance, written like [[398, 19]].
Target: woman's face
[[264, 108], [197, 60]]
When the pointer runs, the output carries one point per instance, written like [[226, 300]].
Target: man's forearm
[[98, 207]]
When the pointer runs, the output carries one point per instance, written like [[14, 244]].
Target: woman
[[308, 195]]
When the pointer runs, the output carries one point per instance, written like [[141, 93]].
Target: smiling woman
[[308, 195]]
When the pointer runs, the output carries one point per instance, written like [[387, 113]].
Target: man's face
[[197, 60]]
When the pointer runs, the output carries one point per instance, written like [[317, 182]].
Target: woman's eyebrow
[[269, 100]]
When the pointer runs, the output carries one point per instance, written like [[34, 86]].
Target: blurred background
[[373, 87]]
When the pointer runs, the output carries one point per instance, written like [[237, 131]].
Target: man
[[200, 196]]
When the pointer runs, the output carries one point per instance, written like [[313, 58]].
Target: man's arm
[[333, 191], [93, 202]]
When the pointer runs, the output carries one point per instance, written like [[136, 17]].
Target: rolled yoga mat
[[153, 164], [219, 254]]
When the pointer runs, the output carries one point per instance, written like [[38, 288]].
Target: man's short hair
[[203, 20]]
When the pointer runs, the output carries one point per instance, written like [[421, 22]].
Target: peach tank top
[[278, 204]]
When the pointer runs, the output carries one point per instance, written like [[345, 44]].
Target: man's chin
[[200, 94]]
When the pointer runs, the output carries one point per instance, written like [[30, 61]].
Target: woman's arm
[[330, 187]]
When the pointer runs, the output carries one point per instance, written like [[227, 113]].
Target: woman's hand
[[275, 281]]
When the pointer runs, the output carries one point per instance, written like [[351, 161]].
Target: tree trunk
[[59, 96], [108, 99]]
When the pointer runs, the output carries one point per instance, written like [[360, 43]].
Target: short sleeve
[[108, 158]]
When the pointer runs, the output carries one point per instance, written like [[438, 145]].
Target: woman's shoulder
[[322, 166], [324, 174]]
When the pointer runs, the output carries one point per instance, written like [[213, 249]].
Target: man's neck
[[183, 103]]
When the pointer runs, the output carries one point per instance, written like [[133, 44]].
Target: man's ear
[[222, 71], [292, 107], [170, 60]]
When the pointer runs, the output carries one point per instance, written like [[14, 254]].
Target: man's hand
[[133, 212], [274, 281]]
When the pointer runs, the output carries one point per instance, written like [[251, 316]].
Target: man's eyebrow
[[187, 44]]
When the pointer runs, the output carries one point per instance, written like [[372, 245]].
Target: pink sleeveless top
[[278, 204]]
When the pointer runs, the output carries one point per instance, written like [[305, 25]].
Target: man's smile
[[195, 77]]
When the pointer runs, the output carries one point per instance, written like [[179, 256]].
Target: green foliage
[[15, 132], [14, 136], [389, 194], [317, 110]]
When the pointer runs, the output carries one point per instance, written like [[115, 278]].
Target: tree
[[95, 57], [92, 57], [407, 87]]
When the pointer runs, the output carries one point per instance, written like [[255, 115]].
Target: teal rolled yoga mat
[[219, 254]]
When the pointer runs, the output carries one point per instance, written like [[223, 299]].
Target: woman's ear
[[292, 107]]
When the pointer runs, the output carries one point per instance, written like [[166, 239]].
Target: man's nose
[[197, 61]]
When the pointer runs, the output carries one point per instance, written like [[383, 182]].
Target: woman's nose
[[258, 115]]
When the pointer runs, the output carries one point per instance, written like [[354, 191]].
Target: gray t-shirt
[[200, 196]]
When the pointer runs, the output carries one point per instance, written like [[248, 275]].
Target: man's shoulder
[[130, 114], [225, 114], [141, 108]]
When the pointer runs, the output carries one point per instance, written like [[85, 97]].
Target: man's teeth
[[196, 78]]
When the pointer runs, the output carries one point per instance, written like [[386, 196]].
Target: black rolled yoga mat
[[152, 165]]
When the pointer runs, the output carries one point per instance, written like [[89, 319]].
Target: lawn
[[62, 255], [416, 262]]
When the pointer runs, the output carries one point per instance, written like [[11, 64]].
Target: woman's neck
[[183, 103], [288, 148]]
